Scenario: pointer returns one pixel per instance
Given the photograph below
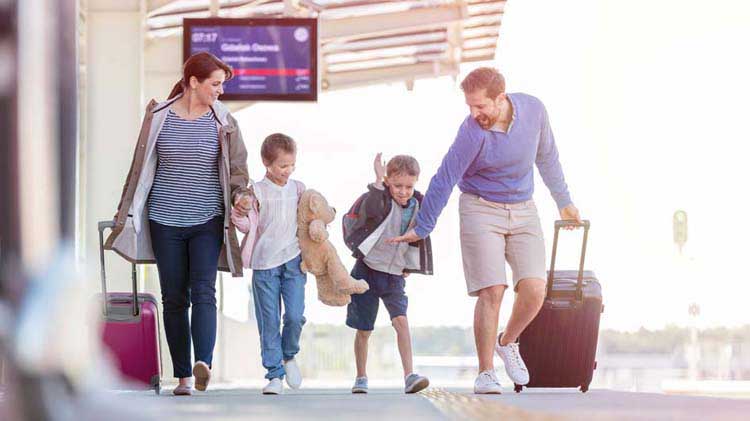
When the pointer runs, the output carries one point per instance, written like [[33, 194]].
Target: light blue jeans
[[270, 286]]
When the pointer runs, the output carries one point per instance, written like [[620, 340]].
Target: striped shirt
[[186, 190]]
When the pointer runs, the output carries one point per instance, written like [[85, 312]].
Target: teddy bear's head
[[312, 205]]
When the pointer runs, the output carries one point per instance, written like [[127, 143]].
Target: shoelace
[[493, 378], [516, 356]]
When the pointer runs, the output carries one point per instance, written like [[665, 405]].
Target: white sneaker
[[487, 383], [513, 362], [274, 387], [293, 375]]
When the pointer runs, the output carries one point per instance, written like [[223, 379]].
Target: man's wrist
[[565, 205], [421, 233]]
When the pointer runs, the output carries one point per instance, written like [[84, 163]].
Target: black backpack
[[352, 223]]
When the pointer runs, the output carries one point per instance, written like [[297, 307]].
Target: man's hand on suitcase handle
[[570, 213]]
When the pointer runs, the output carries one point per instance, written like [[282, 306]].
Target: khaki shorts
[[493, 233]]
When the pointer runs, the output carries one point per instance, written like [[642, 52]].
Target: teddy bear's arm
[[318, 232]]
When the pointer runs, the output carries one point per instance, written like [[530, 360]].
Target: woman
[[189, 166]]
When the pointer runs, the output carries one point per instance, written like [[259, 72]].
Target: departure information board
[[272, 59]]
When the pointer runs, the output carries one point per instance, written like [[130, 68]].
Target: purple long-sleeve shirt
[[498, 166]]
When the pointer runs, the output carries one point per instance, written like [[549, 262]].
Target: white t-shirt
[[276, 242]]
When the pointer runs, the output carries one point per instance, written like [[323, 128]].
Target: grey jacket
[[367, 223]]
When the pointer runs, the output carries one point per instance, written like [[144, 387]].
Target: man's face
[[483, 109], [281, 168], [401, 187]]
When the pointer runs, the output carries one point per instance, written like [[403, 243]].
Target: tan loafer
[[202, 374]]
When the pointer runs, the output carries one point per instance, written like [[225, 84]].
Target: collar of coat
[[220, 111]]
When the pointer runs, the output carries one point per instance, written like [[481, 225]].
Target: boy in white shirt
[[276, 264]]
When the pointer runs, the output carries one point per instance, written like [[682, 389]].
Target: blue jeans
[[187, 259], [270, 286]]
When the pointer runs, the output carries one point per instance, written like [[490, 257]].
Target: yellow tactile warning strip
[[459, 406]]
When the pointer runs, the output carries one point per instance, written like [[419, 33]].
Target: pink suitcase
[[131, 327]]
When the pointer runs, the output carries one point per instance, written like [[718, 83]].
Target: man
[[492, 160]]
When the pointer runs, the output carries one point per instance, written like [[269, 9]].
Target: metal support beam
[[153, 5], [343, 80], [362, 26]]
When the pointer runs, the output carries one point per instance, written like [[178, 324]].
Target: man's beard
[[485, 121]]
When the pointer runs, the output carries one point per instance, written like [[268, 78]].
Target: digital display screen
[[272, 59]]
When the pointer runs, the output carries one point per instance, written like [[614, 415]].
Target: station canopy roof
[[365, 42]]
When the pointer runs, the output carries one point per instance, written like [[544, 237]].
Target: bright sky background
[[647, 100]]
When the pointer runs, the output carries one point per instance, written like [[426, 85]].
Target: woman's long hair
[[200, 65]]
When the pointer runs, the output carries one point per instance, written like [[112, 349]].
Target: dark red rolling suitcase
[[559, 345], [131, 327]]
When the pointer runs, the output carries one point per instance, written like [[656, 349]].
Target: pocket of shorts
[[470, 204], [397, 283]]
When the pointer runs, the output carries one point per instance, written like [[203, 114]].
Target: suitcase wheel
[[156, 383], [518, 388], [584, 388]]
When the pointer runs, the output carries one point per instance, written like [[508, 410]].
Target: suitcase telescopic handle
[[550, 276], [103, 225]]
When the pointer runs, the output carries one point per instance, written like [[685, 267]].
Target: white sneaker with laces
[[274, 387], [293, 375], [487, 383], [513, 362]]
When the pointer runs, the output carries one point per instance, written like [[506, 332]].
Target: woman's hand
[[243, 204]]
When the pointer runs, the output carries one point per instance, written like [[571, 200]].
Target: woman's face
[[208, 91]]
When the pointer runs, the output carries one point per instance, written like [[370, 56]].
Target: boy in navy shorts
[[387, 210]]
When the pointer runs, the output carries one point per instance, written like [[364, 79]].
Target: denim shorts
[[363, 310]]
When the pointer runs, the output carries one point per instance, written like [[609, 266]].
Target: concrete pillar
[[37, 135], [113, 111], [162, 62], [113, 107]]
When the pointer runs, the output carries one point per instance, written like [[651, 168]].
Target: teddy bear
[[319, 257]]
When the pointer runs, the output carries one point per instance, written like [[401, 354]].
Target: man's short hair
[[402, 164], [274, 143], [484, 78]]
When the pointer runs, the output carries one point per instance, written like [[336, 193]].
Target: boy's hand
[[405, 274], [379, 167], [410, 237]]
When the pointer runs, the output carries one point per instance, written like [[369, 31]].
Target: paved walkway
[[433, 404]]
